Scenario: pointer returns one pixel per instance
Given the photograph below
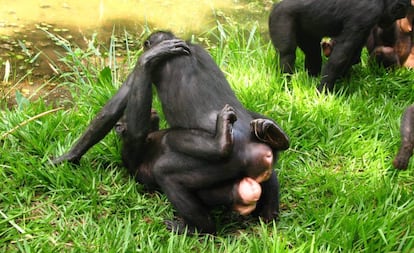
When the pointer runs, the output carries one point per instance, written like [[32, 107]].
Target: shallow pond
[[22, 25]]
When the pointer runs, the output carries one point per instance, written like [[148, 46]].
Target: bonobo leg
[[114, 108], [282, 29], [407, 139], [311, 48], [202, 144], [100, 125]]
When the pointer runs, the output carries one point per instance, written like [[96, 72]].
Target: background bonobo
[[407, 139], [297, 23], [393, 46], [192, 91]]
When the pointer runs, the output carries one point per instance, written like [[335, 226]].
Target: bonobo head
[[156, 38], [394, 9]]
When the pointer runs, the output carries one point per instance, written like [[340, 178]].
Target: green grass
[[339, 190]]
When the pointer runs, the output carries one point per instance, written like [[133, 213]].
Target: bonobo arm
[[114, 108], [202, 144], [407, 139]]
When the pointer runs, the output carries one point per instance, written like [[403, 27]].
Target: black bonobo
[[214, 145], [218, 149], [299, 23]]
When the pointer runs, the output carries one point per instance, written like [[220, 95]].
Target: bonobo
[[393, 46], [193, 91], [240, 195], [298, 23], [407, 139]]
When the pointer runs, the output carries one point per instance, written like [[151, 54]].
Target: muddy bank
[[26, 51]]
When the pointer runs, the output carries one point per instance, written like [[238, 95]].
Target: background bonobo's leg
[[204, 145], [407, 139], [283, 33], [312, 50], [114, 109]]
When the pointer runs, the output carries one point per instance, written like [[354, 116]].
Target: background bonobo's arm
[[201, 144], [114, 108], [407, 139]]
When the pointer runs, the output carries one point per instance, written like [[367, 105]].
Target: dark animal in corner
[[407, 140], [298, 23], [393, 46], [193, 91]]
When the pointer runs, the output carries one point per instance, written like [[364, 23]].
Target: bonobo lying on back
[[255, 158], [198, 154], [299, 23]]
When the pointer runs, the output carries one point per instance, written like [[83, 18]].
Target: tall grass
[[339, 190]]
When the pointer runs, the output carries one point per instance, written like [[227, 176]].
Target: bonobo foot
[[403, 157], [178, 225], [268, 132], [67, 157]]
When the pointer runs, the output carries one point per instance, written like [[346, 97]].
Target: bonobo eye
[[147, 44]]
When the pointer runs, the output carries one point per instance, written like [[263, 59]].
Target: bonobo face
[[156, 38]]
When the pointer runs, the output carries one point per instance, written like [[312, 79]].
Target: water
[[22, 21]]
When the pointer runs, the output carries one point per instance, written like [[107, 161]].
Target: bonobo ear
[[405, 25], [270, 133]]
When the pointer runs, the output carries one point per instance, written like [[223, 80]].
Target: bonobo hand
[[247, 192], [162, 51], [268, 132]]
